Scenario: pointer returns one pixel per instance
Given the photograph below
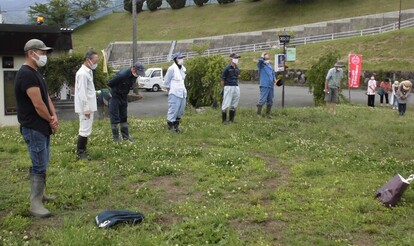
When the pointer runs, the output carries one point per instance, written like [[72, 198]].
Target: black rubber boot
[[268, 110], [171, 126], [125, 132], [115, 132], [224, 117], [232, 114], [177, 124], [81, 148], [259, 109], [37, 187]]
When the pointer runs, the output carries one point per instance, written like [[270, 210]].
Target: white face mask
[[266, 61], [135, 74], [235, 61], [180, 61], [92, 65], [41, 62]]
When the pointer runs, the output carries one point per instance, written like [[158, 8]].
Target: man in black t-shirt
[[37, 117]]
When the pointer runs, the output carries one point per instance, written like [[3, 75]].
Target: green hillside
[[194, 22]]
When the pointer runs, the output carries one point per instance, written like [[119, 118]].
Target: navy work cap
[[139, 67], [178, 55]]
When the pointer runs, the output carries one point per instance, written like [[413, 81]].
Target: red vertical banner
[[355, 64]]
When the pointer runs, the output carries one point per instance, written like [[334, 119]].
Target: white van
[[153, 79]]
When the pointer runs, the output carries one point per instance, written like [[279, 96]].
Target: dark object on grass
[[389, 194], [109, 218]]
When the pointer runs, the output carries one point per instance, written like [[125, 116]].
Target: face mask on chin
[[135, 74], [235, 61], [266, 61], [41, 61]]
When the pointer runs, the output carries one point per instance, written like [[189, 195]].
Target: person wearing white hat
[[177, 93], [333, 85], [403, 93], [38, 120], [231, 90]]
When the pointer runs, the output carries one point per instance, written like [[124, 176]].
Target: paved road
[[155, 103]]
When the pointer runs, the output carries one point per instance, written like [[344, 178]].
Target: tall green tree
[[176, 4], [86, 8], [154, 4], [128, 5], [55, 12]]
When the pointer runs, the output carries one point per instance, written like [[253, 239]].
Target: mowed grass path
[[304, 177]]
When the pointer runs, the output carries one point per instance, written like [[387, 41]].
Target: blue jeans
[[39, 149], [266, 96]]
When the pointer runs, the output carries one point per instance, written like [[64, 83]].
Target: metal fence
[[272, 45]]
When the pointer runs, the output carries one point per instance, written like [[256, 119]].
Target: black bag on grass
[[109, 218], [389, 194]]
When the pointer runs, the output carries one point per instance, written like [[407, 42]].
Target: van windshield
[[148, 73]]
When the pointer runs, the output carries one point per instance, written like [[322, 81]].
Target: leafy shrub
[[61, 70], [203, 80], [154, 4], [317, 74], [128, 5], [245, 75], [225, 1], [176, 4], [200, 2]]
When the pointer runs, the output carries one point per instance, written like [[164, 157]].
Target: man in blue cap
[[177, 93], [120, 86]]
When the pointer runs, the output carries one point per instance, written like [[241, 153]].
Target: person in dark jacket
[[231, 90], [120, 86]]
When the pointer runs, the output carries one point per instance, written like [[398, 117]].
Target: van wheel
[[155, 88]]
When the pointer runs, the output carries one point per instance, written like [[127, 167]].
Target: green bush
[[200, 2], [245, 75], [317, 74], [176, 4], [203, 80], [61, 70], [154, 4]]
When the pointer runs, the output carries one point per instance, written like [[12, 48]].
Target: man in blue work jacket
[[120, 86], [267, 82]]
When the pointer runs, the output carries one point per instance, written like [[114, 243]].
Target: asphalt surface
[[155, 103]]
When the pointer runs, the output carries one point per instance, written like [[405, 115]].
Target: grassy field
[[194, 22], [305, 177]]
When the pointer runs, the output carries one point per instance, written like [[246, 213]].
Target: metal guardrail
[[273, 44]]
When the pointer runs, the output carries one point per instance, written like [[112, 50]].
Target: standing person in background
[[85, 101], [267, 84], [333, 85], [394, 99], [371, 88], [120, 86], [177, 93], [38, 120], [386, 88], [403, 93], [231, 90]]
